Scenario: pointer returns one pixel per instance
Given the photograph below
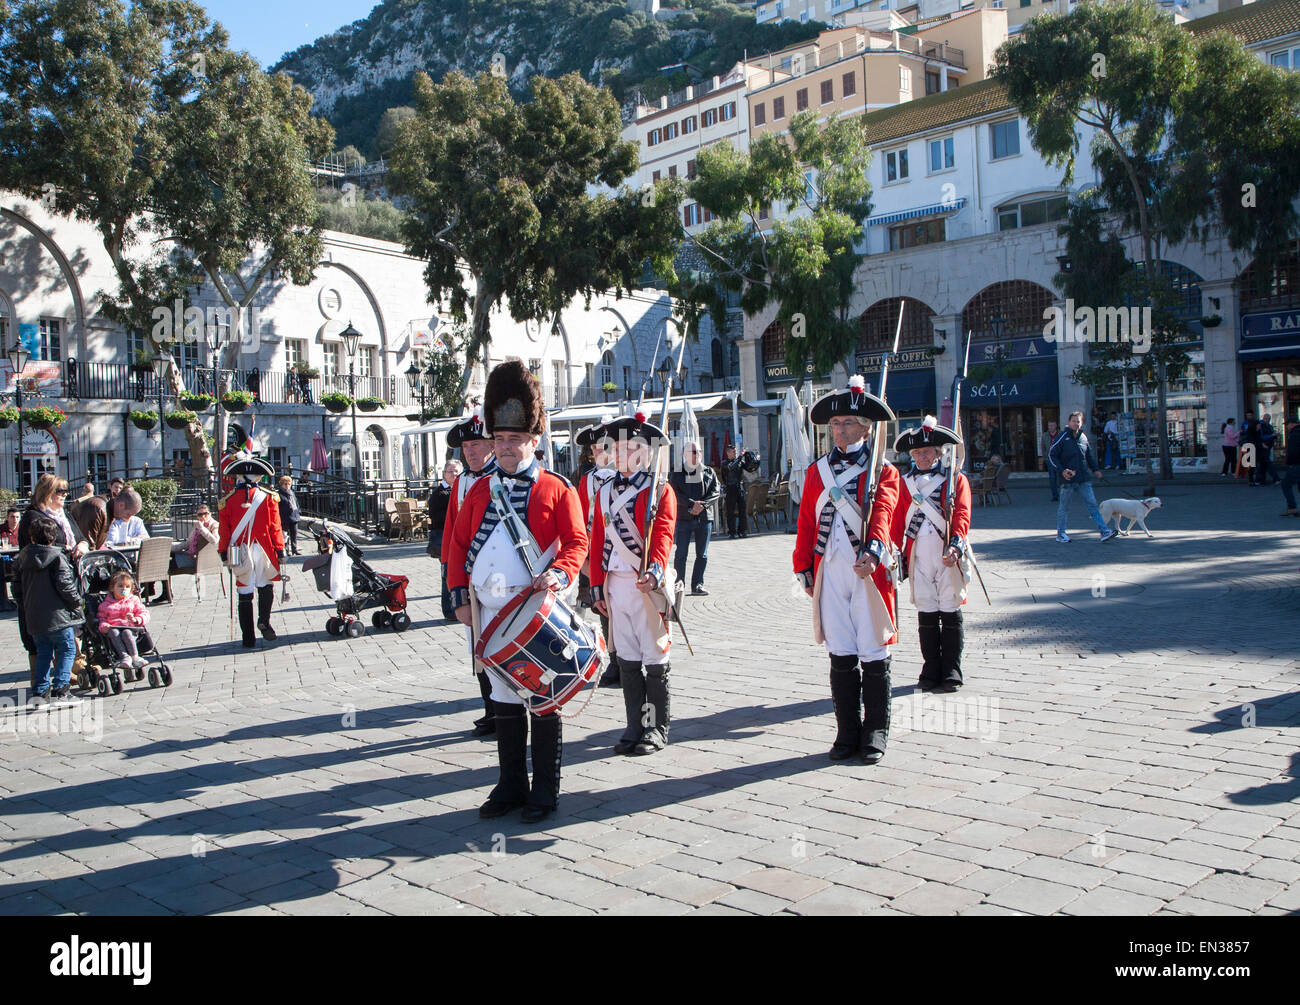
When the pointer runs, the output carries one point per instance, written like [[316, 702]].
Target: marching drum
[[541, 648]]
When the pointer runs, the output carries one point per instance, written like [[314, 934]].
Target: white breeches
[[629, 621], [846, 617], [262, 570], [935, 586]]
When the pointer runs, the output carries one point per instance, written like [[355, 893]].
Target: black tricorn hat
[[512, 400], [251, 467], [628, 427], [471, 428], [854, 400], [588, 435], [928, 434]]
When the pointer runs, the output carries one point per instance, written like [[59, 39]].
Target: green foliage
[[143, 418], [9, 413], [156, 497], [336, 401], [8, 499], [805, 263], [237, 398], [375, 218], [445, 393], [499, 189], [180, 418], [199, 402], [44, 415]]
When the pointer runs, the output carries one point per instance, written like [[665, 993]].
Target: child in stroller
[[343, 575], [104, 578]]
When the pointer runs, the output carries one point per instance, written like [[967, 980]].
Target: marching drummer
[[485, 571], [848, 577], [631, 580], [932, 544], [475, 446], [598, 470]]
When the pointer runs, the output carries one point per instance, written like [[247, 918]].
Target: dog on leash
[[1135, 511]]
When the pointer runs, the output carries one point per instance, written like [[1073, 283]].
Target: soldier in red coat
[[636, 602], [848, 577], [485, 572], [933, 544], [252, 543], [598, 469], [471, 436]]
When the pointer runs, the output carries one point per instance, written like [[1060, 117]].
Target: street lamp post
[[18, 357], [160, 371], [351, 337], [419, 380], [212, 336]]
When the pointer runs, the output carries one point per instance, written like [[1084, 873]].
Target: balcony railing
[[121, 381]]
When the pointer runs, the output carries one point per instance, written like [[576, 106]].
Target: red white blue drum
[[541, 648]]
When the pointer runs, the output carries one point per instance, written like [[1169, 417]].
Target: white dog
[[1135, 510]]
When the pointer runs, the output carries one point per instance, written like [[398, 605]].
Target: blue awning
[[934, 209]]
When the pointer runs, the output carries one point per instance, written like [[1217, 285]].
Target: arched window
[[1276, 287], [606, 368], [1018, 302], [715, 352], [774, 343], [879, 322]]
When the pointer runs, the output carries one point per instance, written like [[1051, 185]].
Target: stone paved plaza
[[1126, 744]]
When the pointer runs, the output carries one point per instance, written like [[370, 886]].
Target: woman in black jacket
[[47, 505], [439, 500], [50, 602]]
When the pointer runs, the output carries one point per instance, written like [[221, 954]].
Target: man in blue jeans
[[46, 585], [1072, 458]]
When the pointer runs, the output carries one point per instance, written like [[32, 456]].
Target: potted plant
[[8, 416], [144, 418], [237, 401], [156, 497], [609, 387], [196, 401], [180, 419], [143, 361], [336, 401], [370, 404], [45, 416]]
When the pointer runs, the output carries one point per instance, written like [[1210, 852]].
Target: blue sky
[[270, 28]]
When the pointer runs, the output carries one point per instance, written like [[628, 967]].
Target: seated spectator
[[125, 526], [206, 531]]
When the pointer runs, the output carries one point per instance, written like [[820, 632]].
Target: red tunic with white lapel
[[453, 507], [553, 515], [806, 559], [661, 532], [960, 514], [266, 528]]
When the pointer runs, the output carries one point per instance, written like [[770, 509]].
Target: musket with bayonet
[[652, 504], [878, 437], [958, 460]]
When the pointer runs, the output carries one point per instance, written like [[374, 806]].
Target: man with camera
[[735, 485]]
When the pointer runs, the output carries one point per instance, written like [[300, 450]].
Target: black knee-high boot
[[487, 725], [265, 598], [511, 790], [953, 635], [846, 693], [548, 747], [655, 736], [932, 665], [633, 704], [876, 697], [246, 620]]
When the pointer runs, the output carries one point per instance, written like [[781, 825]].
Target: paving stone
[[783, 883], [1245, 892], [935, 899], [1108, 901], [1034, 896]]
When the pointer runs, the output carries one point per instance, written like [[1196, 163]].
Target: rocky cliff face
[[366, 67]]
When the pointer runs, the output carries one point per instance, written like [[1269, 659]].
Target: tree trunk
[[480, 333]]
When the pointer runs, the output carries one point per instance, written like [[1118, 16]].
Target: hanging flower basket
[[336, 401], [237, 401], [180, 419], [370, 404], [8, 416], [44, 416], [196, 402], [144, 419]]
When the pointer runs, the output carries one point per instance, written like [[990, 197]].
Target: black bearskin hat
[[512, 401]]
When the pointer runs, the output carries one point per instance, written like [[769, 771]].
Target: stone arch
[[374, 307], [877, 324], [65, 269], [1019, 302]]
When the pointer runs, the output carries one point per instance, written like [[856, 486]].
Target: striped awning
[[934, 209]]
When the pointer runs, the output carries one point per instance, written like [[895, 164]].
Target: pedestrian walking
[[1110, 433], [932, 547], [1231, 437], [290, 513], [471, 438], [1073, 459], [47, 503], [696, 488], [1292, 476], [50, 606], [848, 578], [1049, 440]]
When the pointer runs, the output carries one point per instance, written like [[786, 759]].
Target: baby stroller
[[343, 575], [96, 570]]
